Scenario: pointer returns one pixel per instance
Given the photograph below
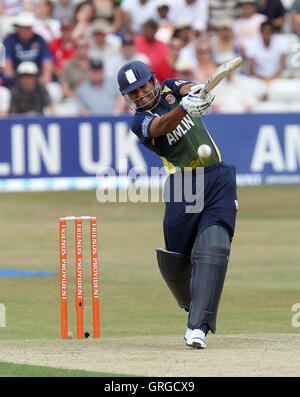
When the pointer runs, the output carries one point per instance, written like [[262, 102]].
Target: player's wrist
[[182, 106]]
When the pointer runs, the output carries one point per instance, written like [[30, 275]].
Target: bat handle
[[203, 93]]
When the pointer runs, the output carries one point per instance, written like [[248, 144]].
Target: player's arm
[[167, 123], [192, 105]]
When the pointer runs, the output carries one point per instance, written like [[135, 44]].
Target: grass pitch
[[261, 285]]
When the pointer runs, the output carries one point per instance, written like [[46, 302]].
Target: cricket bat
[[220, 74]]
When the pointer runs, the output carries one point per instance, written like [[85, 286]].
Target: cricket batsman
[[168, 122]]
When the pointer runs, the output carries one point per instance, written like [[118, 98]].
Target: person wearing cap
[[199, 192], [156, 50], [222, 42], [45, 25], [74, 72], [62, 49], [98, 95], [28, 95], [195, 11], [185, 70], [103, 44], [247, 26], [25, 45], [136, 13]]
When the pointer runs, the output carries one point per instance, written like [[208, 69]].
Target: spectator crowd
[[61, 57]]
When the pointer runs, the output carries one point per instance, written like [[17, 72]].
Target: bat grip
[[203, 94]]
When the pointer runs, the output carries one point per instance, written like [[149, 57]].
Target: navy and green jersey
[[177, 149]]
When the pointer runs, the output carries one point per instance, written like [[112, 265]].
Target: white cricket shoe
[[196, 339]]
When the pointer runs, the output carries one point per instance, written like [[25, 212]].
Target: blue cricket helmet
[[133, 75]]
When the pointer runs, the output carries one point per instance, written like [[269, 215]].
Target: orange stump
[[95, 277], [79, 278], [63, 278], [79, 295]]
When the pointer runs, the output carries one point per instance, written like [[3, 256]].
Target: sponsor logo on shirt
[[183, 127]]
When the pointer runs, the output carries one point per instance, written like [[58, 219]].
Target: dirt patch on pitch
[[235, 355]]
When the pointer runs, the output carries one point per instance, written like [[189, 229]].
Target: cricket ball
[[204, 151]]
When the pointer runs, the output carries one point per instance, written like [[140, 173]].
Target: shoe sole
[[196, 345]]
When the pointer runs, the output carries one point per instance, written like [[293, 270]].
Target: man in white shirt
[[267, 54]]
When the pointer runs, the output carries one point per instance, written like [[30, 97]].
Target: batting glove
[[194, 105]]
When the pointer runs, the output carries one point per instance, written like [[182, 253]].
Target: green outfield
[[261, 286]]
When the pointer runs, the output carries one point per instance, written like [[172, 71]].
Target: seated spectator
[[267, 54], [29, 96], [186, 34], [103, 44], [295, 17], [128, 53], [136, 13], [84, 14], [274, 11], [155, 50], [222, 42], [185, 70], [98, 95], [109, 10], [221, 10], [62, 49], [74, 72], [25, 45], [165, 28], [63, 9], [206, 65], [45, 25], [194, 11], [247, 26], [4, 101]]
